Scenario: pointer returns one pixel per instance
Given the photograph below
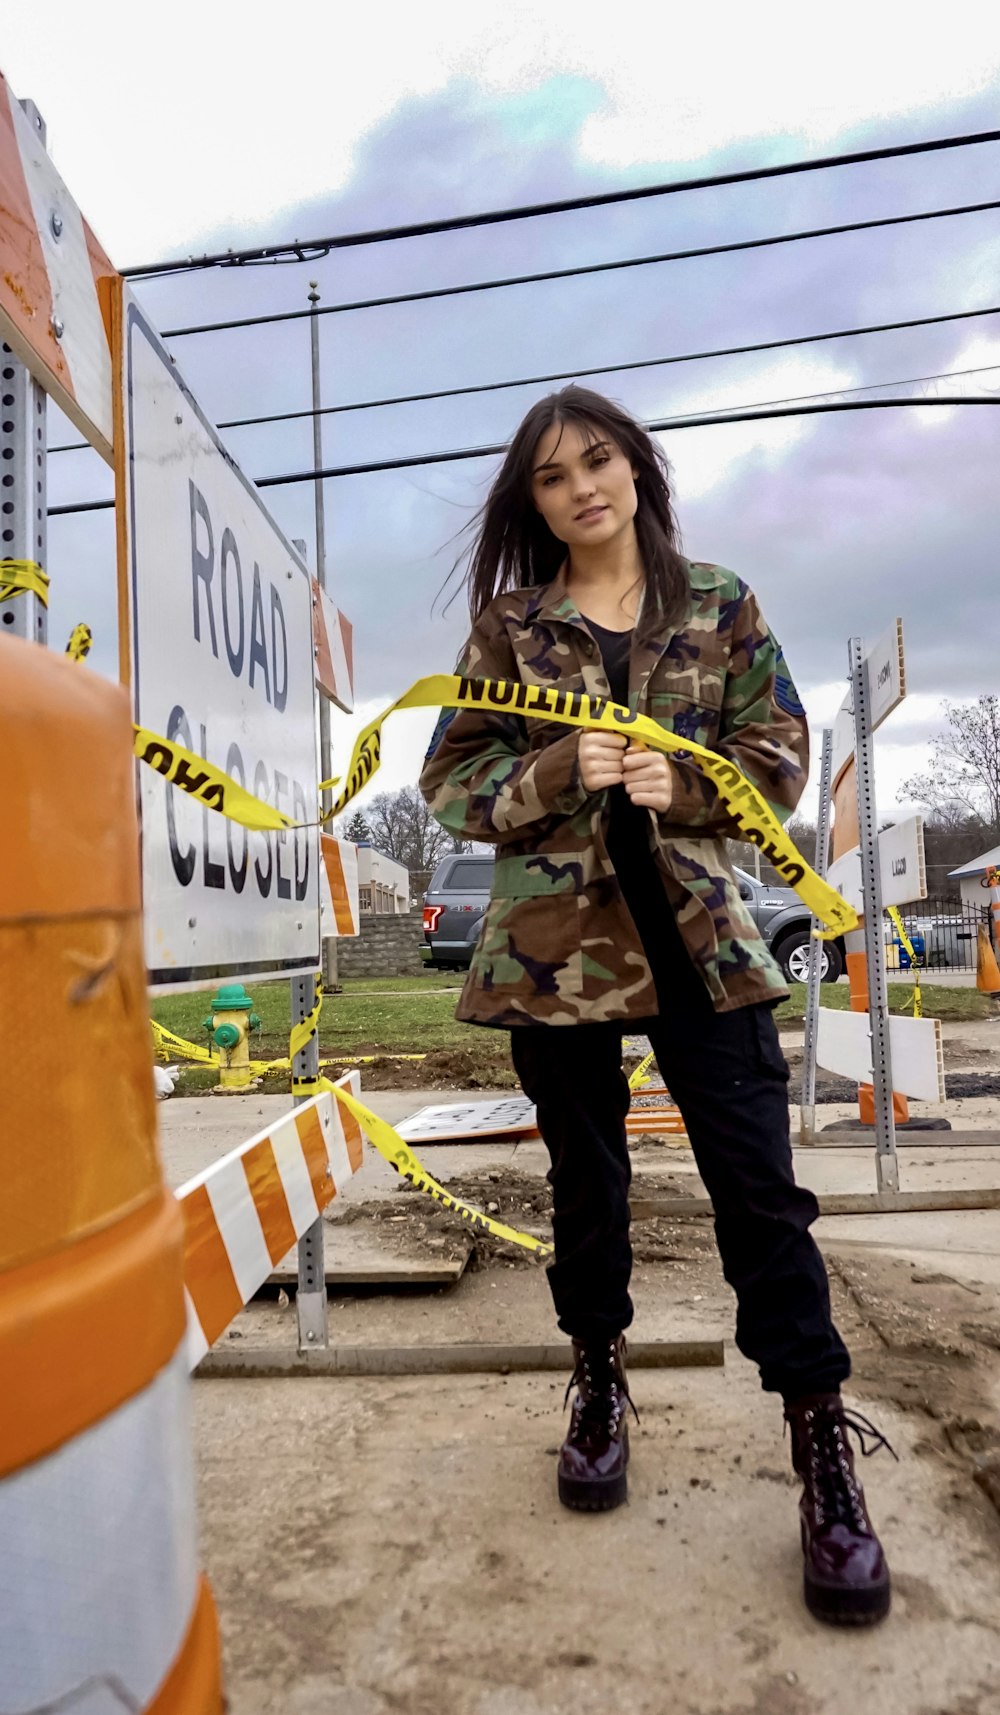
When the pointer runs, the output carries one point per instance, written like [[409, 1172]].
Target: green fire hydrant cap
[[231, 997], [226, 1035]]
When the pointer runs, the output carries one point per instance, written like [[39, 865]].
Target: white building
[[969, 877], [383, 884]]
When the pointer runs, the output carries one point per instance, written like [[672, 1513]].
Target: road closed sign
[[220, 660]]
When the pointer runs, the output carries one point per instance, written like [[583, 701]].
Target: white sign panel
[[886, 690], [901, 861], [221, 646], [844, 1046], [506, 1116], [886, 674]]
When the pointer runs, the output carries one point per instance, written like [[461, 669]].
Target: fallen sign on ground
[[511, 1116]]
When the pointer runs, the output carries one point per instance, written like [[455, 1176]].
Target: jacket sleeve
[[479, 777], [763, 731]]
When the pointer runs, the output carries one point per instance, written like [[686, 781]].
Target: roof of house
[[976, 866]]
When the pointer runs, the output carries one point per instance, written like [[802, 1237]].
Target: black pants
[[727, 1074]]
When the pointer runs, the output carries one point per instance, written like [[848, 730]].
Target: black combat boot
[[846, 1576], [594, 1455]]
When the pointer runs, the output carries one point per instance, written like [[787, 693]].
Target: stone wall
[[388, 946]]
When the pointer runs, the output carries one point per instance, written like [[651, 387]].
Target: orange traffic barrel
[[100, 1592]]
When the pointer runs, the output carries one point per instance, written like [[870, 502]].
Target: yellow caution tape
[[907, 946], [400, 1156], [753, 815], [81, 640], [202, 780], [20, 576], [172, 1047], [305, 1030], [640, 1076], [169, 1046]]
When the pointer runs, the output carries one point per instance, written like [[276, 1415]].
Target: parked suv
[[459, 893]]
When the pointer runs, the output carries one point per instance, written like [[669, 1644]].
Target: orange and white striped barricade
[[101, 1603], [339, 902], [55, 283], [245, 1213]]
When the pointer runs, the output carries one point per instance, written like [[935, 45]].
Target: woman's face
[[585, 493]]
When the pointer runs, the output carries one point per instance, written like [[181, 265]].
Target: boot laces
[[602, 1399], [837, 1495]]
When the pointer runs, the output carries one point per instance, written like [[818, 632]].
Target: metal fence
[[943, 933]]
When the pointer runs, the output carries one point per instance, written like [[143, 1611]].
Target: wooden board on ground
[[358, 1255], [445, 1360]]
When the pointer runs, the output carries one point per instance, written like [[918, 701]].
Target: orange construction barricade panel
[[101, 1600]]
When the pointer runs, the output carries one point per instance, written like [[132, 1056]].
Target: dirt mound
[[441, 1069]]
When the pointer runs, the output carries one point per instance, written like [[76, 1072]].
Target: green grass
[[372, 1016], [960, 1005]]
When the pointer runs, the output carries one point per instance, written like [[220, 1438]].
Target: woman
[[614, 906]]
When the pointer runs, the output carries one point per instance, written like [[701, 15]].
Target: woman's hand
[[601, 757], [648, 779]]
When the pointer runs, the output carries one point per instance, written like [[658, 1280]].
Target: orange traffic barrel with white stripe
[[102, 1606]]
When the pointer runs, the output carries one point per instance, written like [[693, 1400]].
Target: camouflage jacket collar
[[552, 603]]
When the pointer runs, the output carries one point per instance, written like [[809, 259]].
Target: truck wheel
[[792, 955]]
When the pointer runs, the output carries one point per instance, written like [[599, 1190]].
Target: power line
[[496, 285], [307, 250], [602, 369], [709, 420]]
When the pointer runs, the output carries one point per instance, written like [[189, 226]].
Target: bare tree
[[963, 780], [403, 828]]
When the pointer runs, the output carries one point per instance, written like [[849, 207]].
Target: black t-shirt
[[628, 831]]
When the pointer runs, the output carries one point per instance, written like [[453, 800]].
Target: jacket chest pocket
[[530, 940], [689, 703]]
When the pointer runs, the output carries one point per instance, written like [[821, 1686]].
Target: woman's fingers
[[601, 758]]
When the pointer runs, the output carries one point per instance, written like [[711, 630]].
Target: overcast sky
[[245, 126]]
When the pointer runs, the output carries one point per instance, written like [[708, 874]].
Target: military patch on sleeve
[[785, 694], [444, 721]]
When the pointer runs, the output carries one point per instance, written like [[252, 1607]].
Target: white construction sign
[[844, 1046], [901, 863], [886, 690], [220, 648]]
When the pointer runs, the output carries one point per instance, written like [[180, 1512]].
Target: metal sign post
[[23, 486], [807, 1111], [886, 1166], [310, 1301], [23, 534]]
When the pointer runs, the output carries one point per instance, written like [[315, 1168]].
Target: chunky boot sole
[[595, 1496], [838, 1607]]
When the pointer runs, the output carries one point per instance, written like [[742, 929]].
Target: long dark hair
[[513, 544]]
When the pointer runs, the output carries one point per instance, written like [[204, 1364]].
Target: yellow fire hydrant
[[230, 1024]]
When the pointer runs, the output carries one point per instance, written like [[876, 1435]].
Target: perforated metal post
[[23, 493], [807, 1111], [310, 1301], [886, 1165]]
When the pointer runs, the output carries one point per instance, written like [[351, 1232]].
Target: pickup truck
[[459, 893]]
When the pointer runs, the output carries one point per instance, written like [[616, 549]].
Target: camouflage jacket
[[558, 945]]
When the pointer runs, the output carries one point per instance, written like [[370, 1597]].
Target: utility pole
[[329, 950]]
